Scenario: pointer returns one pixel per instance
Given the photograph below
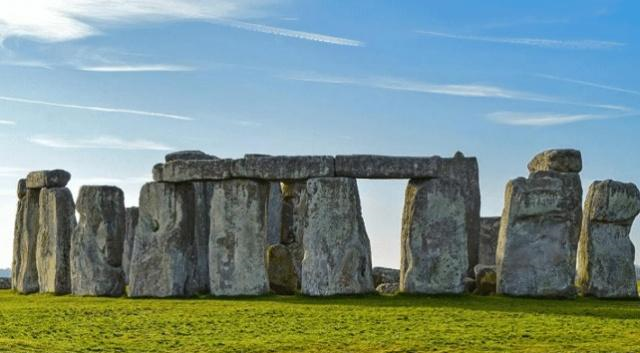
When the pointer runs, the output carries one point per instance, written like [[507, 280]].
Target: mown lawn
[[45, 323]]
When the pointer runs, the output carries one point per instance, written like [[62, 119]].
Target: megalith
[[434, 256], [17, 233], [131, 222], [540, 228], [337, 252], [274, 213], [162, 259], [237, 244], [605, 252], [293, 216], [26, 276], [488, 240], [203, 193], [283, 278], [57, 220], [98, 242]]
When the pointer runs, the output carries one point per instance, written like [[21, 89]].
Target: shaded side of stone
[[237, 244], [434, 238], [293, 217], [131, 222], [16, 263], [203, 193], [274, 213], [337, 252], [98, 243], [488, 240], [57, 222], [283, 278]]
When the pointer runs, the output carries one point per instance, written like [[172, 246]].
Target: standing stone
[[26, 280], [203, 192], [162, 259], [488, 241], [485, 277], [237, 247], [337, 252], [383, 275], [434, 238], [605, 252], [283, 278], [17, 232], [98, 242], [274, 214], [131, 222], [294, 213], [57, 222], [539, 232]]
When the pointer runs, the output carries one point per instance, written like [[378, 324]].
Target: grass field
[[45, 323]]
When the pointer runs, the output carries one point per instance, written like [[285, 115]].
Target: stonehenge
[[293, 225], [605, 252]]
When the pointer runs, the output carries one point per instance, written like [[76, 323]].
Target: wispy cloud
[[7, 122], [96, 109], [590, 84], [585, 44], [137, 68], [63, 20], [546, 119], [12, 172], [109, 181], [460, 90], [102, 142]]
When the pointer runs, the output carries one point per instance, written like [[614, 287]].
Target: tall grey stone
[[283, 278], [337, 252], [98, 242], [131, 222], [274, 214], [57, 222], [203, 193], [293, 217], [539, 232], [237, 247], [163, 251], [26, 277], [17, 233], [605, 252], [434, 238], [488, 240]]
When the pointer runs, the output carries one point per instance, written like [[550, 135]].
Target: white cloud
[[110, 181], [63, 20], [590, 84], [137, 68], [535, 42], [7, 122], [12, 172], [96, 109], [102, 142], [545, 119]]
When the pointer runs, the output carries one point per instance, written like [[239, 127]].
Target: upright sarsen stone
[[26, 277], [539, 232], [131, 222], [488, 240], [434, 238], [162, 259], [57, 222], [605, 252], [98, 242], [203, 193], [293, 217], [17, 233], [337, 252], [274, 213], [237, 247]]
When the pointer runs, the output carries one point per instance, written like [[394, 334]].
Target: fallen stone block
[[385, 275], [485, 279], [387, 288]]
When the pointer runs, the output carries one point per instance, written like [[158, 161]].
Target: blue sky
[[105, 88]]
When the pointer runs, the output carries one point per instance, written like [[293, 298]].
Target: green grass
[[293, 324]]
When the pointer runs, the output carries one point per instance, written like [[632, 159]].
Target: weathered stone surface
[[26, 270], [464, 170], [57, 222], [48, 179], [274, 213], [98, 242], [17, 232], [162, 259], [192, 170], [131, 222], [283, 278], [337, 252], [188, 156], [564, 161], [293, 217], [387, 288], [536, 253], [385, 275], [387, 167], [469, 285], [5, 283], [282, 168], [434, 239], [488, 240], [203, 192], [605, 252], [237, 246], [485, 279]]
